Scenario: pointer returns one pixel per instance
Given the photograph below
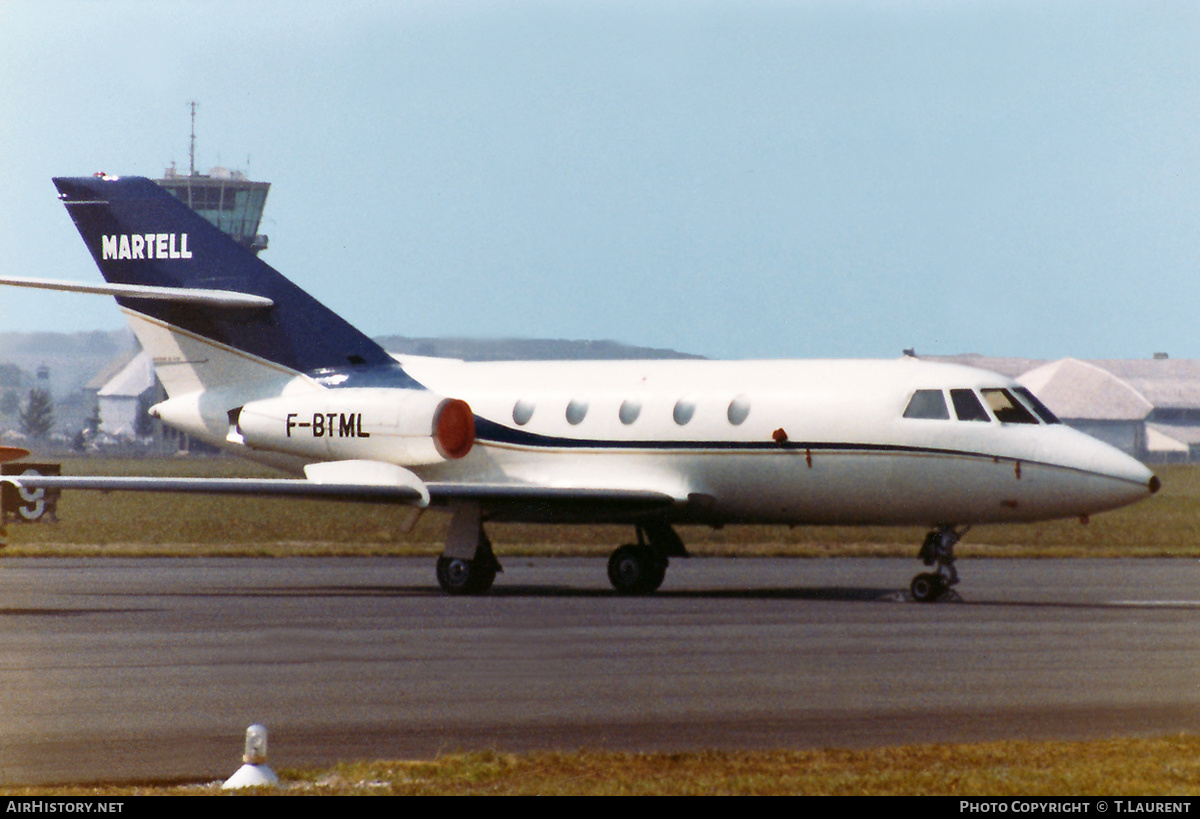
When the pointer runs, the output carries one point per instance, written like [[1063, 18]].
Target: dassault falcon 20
[[255, 365]]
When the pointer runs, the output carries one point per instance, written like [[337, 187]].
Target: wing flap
[[501, 492], [553, 504]]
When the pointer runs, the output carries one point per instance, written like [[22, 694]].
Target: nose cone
[[1105, 478]]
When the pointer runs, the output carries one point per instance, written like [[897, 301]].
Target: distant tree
[[10, 375], [144, 425], [38, 416], [10, 404], [93, 423]]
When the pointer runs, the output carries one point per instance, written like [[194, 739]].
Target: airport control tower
[[226, 198]]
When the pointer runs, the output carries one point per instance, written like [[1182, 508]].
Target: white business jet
[[255, 365]]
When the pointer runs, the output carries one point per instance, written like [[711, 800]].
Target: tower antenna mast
[[192, 148]]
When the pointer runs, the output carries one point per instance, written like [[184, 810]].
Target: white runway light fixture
[[255, 772]]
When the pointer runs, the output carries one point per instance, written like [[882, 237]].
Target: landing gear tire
[[937, 550], [927, 587], [636, 569], [465, 577]]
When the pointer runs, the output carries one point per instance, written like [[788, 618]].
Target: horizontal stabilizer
[[211, 298]]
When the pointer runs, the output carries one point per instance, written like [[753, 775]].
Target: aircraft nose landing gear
[[927, 587], [938, 549]]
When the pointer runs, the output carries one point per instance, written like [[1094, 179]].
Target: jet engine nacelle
[[399, 426]]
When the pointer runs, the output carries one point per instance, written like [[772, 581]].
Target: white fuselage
[[851, 456], [817, 442]]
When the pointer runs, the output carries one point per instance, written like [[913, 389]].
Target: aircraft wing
[[506, 496], [264, 487]]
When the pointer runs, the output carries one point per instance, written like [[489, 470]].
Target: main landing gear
[[458, 576], [639, 568], [938, 549], [469, 567]]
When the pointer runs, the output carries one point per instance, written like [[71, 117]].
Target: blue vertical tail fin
[[139, 234]]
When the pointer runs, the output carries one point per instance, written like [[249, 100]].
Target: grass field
[[121, 524], [1165, 766]]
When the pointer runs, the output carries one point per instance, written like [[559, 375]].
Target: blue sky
[[735, 179]]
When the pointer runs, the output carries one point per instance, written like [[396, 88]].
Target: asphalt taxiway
[[151, 669]]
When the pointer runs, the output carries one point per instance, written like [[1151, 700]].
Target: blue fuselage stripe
[[491, 432]]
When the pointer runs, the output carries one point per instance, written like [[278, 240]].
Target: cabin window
[[739, 410], [576, 410], [1037, 406], [629, 412], [967, 406], [928, 404], [685, 408], [522, 412], [1006, 408]]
